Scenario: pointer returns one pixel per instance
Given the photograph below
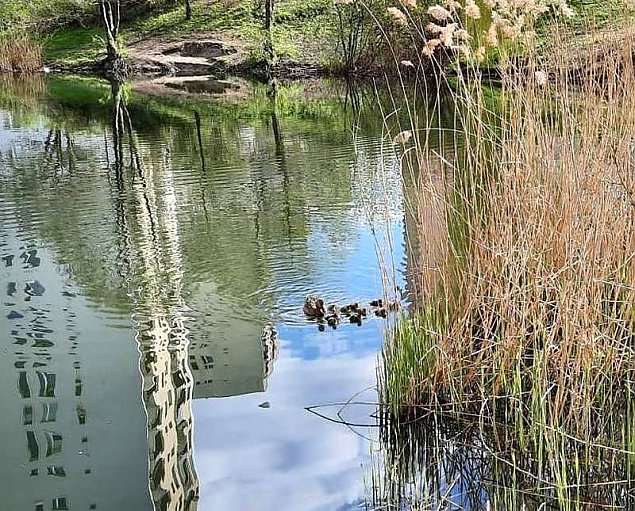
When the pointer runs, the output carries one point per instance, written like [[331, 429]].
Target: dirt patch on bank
[[199, 55], [208, 55]]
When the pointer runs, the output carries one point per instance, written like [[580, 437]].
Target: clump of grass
[[20, 54], [527, 328]]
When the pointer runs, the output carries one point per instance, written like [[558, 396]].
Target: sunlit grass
[[77, 45], [299, 26]]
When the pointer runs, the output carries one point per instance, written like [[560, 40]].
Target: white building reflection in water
[[91, 419], [72, 424], [74, 434], [174, 370]]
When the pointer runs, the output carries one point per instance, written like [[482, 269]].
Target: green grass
[[601, 15], [74, 46], [299, 31], [305, 30]]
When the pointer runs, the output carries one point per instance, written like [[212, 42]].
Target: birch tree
[[111, 17]]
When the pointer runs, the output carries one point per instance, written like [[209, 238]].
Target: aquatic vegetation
[[522, 351]]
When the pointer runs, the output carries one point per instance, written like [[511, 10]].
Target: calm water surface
[[154, 354]]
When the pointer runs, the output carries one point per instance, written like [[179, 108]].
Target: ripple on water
[[202, 259]]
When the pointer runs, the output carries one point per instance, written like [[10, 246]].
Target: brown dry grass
[[524, 338], [20, 54], [535, 311]]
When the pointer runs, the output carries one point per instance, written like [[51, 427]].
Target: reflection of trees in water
[[149, 225], [250, 180], [56, 156], [281, 158], [201, 152]]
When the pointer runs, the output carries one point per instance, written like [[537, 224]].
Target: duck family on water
[[331, 315]]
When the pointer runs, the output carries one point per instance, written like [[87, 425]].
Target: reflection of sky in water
[[284, 457], [247, 457]]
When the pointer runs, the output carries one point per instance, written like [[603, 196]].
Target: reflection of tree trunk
[[352, 96], [197, 118], [59, 157], [281, 156], [188, 10], [117, 123], [71, 153], [148, 227], [276, 135], [122, 123], [118, 104]]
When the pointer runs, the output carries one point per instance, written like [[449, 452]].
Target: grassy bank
[[353, 36], [523, 345], [70, 35]]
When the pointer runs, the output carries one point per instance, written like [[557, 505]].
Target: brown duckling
[[392, 306], [351, 308], [314, 307], [377, 303], [356, 318], [332, 320], [381, 312]]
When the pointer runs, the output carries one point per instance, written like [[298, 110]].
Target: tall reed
[[525, 325], [19, 53]]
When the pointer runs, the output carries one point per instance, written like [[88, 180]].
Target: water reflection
[[69, 421], [167, 247]]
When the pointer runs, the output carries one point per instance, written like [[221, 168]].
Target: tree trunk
[[110, 16], [188, 10], [115, 66], [270, 53]]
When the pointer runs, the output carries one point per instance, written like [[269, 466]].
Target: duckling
[[332, 308], [377, 303], [314, 307], [363, 312], [351, 308], [392, 306], [356, 318], [332, 321], [381, 312]]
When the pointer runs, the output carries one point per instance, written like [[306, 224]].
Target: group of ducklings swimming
[[314, 307]]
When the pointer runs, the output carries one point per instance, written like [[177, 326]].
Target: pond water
[[154, 350]]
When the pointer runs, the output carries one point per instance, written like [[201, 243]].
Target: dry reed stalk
[[20, 54], [540, 307]]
